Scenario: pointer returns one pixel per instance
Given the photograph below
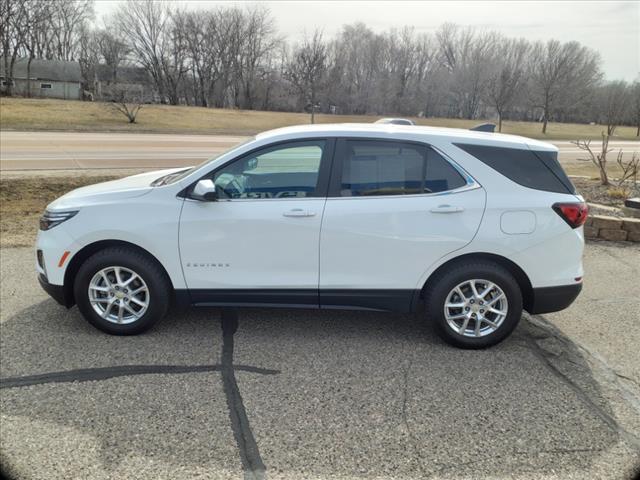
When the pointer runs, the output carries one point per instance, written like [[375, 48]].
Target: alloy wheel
[[119, 295], [476, 308]]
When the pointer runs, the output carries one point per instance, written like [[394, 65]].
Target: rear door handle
[[298, 212], [446, 209]]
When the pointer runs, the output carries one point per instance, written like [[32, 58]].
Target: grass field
[[22, 201], [44, 114]]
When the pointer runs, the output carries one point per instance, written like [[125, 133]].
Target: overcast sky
[[612, 28]]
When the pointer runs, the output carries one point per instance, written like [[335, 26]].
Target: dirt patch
[[610, 195], [22, 201]]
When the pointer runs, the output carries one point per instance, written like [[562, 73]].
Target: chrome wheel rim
[[476, 308], [119, 295]]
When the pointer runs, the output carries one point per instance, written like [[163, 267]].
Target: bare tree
[[202, 49], [66, 20], [14, 30], [429, 84], [112, 48], [629, 168], [41, 29], [561, 75], [89, 56], [466, 55], [507, 76], [356, 66], [229, 56], [144, 25], [634, 110], [173, 60], [308, 68], [598, 158], [258, 41], [36, 16], [402, 65], [613, 106], [126, 100], [614, 102]]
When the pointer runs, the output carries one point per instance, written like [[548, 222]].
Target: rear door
[[394, 208]]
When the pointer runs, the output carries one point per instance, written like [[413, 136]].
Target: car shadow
[[366, 394]]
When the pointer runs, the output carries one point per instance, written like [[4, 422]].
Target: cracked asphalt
[[292, 394]]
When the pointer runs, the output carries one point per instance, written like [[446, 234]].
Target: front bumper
[[553, 299], [56, 292]]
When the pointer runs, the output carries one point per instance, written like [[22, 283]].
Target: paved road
[[307, 394], [69, 150]]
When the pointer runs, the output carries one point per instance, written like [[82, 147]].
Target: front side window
[[373, 167], [284, 171]]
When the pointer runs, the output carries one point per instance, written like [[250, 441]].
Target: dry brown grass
[[45, 114], [588, 169], [619, 193], [22, 201]]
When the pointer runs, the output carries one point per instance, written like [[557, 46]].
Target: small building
[[46, 78], [133, 79]]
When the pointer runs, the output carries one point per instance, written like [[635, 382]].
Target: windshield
[[179, 175]]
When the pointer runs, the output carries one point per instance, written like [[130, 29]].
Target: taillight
[[575, 214]]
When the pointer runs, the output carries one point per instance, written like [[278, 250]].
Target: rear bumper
[[553, 299], [55, 291]]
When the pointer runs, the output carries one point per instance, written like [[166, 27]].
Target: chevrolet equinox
[[468, 228]]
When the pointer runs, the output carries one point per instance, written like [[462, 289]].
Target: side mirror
[[205, 191]]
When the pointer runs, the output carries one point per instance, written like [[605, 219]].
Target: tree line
[[233, 57]]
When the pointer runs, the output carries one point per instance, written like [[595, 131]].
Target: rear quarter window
[[539, 170]]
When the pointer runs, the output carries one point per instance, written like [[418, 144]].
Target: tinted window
[[278, 172], [394, 168], [539, 170], [440, 175], [550, 159]]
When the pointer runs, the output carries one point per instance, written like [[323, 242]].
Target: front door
[[259, 243], [394, 208]]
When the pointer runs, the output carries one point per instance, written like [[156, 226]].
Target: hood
[[128, 187]]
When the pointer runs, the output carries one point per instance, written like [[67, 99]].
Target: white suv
[[468, 227]]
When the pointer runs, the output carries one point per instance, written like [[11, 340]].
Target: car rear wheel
[[121, 291], [474, 305]]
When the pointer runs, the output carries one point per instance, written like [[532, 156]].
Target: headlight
[[51, 219]]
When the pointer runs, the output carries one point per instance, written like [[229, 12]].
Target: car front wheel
[[121, 291], [474, 305]]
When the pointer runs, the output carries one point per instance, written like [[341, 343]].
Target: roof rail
[[484, 127]]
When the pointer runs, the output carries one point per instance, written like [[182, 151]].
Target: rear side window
[[374, 167], [538, 170]]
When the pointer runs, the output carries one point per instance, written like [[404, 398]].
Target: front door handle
[[298, 212], [446, 209]]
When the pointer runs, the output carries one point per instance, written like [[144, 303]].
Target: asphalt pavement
[[81, 151], [291, 394]]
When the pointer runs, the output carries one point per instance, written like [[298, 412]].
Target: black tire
[[159, 288], [440, 287]]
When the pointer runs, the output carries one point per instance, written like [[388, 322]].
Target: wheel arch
[[520, 276], [85, 252]]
